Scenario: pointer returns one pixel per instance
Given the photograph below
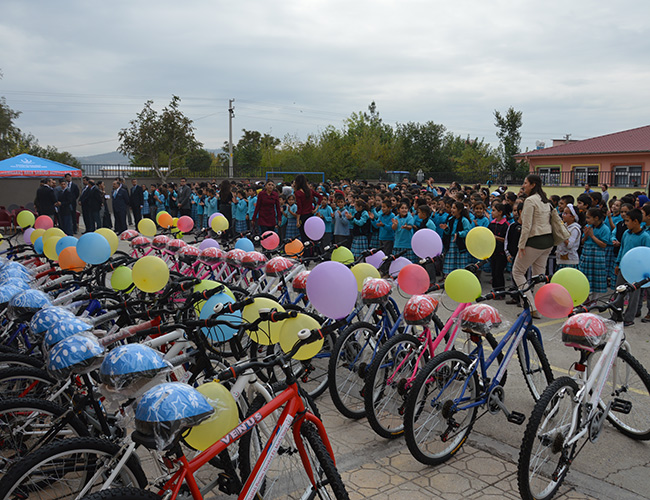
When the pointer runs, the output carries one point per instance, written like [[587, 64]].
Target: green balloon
[[462, 286], [575, 282]]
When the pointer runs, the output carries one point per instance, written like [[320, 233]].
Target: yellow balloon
[[147, 227], [175, 221], [150, 274], [480, 242], [462, 286], [209, 285], [343, 255], [25, 219], [110, 236], [289, 336], [223, 420], [121, 279], [268, 332], [53, 231], [49, 248], [362, 271], [219, 223], [36, 233]]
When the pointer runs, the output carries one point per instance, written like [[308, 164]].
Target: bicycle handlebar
[[535, 280]]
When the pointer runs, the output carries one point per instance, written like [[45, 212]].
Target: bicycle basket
[[419, 309], [480, 319], [254, 260], [79, 353], [375, 291], [584, 331], [277, 266], [299, 283]]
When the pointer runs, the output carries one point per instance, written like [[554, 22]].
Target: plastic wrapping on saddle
[[480, 319], [587, 331], [80, 353]]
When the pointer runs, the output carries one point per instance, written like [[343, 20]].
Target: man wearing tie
[[84, 201], [137, 200], [74, 190], [120, 206]]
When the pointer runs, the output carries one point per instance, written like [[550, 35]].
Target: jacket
[[568, 253], [535, 219]]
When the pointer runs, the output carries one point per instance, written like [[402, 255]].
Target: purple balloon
[[426, 243], [376, 259], [332, 289], [315, 228], [28, 232], [212, 217], [397, 265], [207, 243]]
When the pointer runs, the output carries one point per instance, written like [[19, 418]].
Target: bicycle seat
[[25, 304], [584, 331], [254, 260], [278, 266], [419, 309], [189, 254], [375, 291], [480, 319], [64, 327], [299, 283]]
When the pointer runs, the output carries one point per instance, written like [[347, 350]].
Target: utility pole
[[231, 115]]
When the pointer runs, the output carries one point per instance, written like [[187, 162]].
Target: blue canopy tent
[[25, 165]]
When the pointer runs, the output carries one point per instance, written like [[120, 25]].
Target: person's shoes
[[536, 315], [646, 319], [628, 323], [638, 314]]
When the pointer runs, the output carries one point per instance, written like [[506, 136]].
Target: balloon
[[43, 222], [165, 220], [553, 301], [35, 234], [219, 223], [207, 243], [110, 236], [175, 222], [53, 231], [245, 244], [397, 265], [635, 265], [376, 259], [223, 420], [270, 240], [413, 279], [147, 227], [93, 248], [68, 259], [220, 333], [462, 286], [289, 336], [38, 245], [209, 285], [25, 219], [211, 218], [159, 214], [480, 242], [314, 228], [49, 247], [575, 282], [332, 289], [294, 247], [343, 255], [426, 243], [150, 274], [362, 271], [268, 332], [185, 223], [26, 235], [121, 279], [65, 242]]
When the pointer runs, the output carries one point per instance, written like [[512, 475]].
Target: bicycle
[[610, 384]]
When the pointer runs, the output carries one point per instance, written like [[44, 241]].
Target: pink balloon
[[207, 243], [413, 279], [397, 265], [315, 228], [553, 301], [426, 243], [43, 222], [270, 240], [185, 224], [376, 259], [332, 289], [28, 232]]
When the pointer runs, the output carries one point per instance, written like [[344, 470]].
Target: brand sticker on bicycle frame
[[242, 428]]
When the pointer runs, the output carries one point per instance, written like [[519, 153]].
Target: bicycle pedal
[[227, 484], [516, 418], [621, 406]]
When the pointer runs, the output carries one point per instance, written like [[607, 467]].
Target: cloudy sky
[[80, 70]]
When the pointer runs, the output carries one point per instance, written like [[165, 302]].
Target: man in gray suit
[[184, 198]]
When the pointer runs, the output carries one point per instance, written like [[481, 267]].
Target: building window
[[627, 175], [550, 176], [585, 175]]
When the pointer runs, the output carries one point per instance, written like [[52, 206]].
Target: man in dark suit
[[74, 190], [137, 200], [46, 199], [184, 199], [120, 206], [66, 207], [84, 199], [95, 205]]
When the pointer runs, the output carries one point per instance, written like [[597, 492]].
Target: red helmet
[[420, 309], [189, 253], [211, 256], [584, 330], [140, 242], [235, 256], [480, 319], [129, 234], [160, 242], [299, 283], [278, 266], [173, 246], [375, 291], [254, 260]]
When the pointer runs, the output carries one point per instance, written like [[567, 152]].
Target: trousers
[[534, 258]]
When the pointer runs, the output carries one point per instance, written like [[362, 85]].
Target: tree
[[198, 160], [9, 133], [510, 138], [477, 161], [251, 150]]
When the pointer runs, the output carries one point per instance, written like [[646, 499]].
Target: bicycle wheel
[[628, 381], [534, 364], [434, 427], [387, 384], [23, 381], [65, 468], [125, 493], [544, 459], [16, 359], [350, 360]]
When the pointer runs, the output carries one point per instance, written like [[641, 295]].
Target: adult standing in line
[[95, 203], [225, 204], [46, 199], [84, 202], [605, 194], [184, 198], [305, 197], [66, 206], [120, 206], [536, 239], [136, 199], [74, 189], [105, 213], [267, 214]]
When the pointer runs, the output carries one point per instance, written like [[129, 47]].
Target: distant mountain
[[113, 158]]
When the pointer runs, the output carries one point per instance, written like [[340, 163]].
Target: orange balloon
[[294, 247], [68, 259], [165, 220]]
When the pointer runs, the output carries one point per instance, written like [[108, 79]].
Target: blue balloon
[[93, 248], [245, 244], [65, 242], [220, 333], [38, 245], [635, 265]]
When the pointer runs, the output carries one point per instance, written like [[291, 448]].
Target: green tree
[[9, 133], [198, 160], [508, 126], [477, 161]]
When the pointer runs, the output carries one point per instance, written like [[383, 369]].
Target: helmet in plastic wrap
[[278, 266], [160, 242], [128, 235], [254, 260], [235, 256], [129, 367], [419, 309], [299, 282], [79, 353], [7, 292], [189, 254], [63, 328], [140, 242], [584, 330], [375, 291], [480, 319], [168, 409], [174, 246], [211, 256], [27, 303], [16, 273]]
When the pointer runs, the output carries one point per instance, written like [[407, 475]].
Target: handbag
[[559, 230]]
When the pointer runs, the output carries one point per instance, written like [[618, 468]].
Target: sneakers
[[646, 319], [536, 315]]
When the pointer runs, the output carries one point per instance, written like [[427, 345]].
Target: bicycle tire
[[384, 403], [352, 356], [434, 439], [16, 359], [22, 381], [125, 493], [62, 469], [630, 381], [534, 364], [542, 445]]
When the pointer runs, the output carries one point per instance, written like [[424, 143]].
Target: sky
[[79, 71]]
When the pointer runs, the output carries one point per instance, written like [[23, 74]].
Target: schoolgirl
[[498, 262], [403, 227], [567, 252], [239, 212], [360, 228], [326, 213], [384, 224], [593, 261], [456, 228], [291, 213]]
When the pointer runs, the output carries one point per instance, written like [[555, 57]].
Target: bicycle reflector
[[27, 303], [277, 266], [128, 235], [299, 283], [584, 331], [79, 353], [375, 291], [480, 319], [419, 309], [254, 260]]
